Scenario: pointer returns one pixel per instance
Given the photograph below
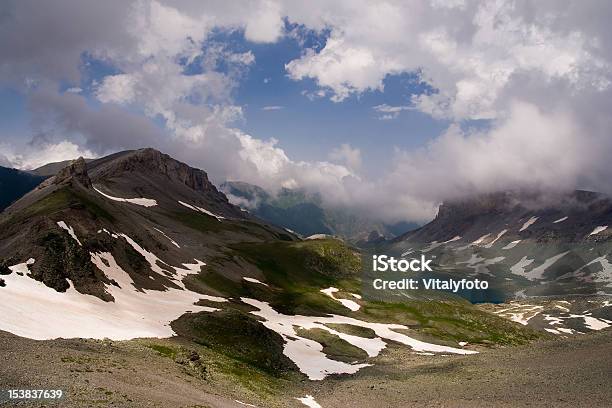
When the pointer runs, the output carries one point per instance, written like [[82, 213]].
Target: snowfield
[[308, 354], [523, 313], [537, 272], [32, 309], [145, 202]]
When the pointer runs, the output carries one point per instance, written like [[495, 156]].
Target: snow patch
[[22, 268], [145, 202], [537, 272], [599, 229], [246, 404], [481, 239], [349, 304], [512, 244], [553, 331], [32, 309], [167, 237], [594, 323], [480, 264], [70, 230], [203, 210], [560, 220], [406, 252], [309, 401], [308, 354], [253, 280], [319, 236], [435, 244], [520, 313], [501, 233], [528, 223]]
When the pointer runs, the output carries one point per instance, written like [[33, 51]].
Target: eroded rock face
[[157, 162], [77, 170]]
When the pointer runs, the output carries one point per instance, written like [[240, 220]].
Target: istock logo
[[384, 263], [391, 278]]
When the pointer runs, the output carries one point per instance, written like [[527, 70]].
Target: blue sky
[[307, 128], [479, 96]]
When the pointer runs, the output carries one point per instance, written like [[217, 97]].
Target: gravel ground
[[102, 374], [573, 372]]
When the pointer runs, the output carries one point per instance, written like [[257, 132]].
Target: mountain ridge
[[525, 243], [14, 184]]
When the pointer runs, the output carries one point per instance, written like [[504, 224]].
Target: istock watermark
[[386, 272]]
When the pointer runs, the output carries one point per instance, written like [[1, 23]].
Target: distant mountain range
[[306, 214], [14, 184], [138, 245], [526, 244]]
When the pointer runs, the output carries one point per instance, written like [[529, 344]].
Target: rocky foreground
[[571, 372]]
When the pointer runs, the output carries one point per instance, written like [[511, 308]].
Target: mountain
[[216, 306], [525, 243], [51, 169], [306, 214], [144, 194], [14, 184]]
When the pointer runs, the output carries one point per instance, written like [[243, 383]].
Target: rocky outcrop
[[77, 170], [151, 160]]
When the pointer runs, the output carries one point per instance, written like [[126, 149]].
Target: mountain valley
[[133, 272]]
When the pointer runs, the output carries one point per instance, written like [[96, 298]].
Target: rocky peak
[[477, 206], [150, 160], [77, 170]]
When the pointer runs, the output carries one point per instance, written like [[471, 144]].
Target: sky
[[385, 107]]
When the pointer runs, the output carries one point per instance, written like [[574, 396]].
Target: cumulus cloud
[[347, 155], [538, 72], [39, 154], [470, 51]]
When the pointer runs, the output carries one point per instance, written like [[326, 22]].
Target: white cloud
[[272, 108], [347, 155], [342, 67], [539, 71], [466, 162], [35, 156], [472, 54], [265, 24], [388, 112], [117, 88]]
